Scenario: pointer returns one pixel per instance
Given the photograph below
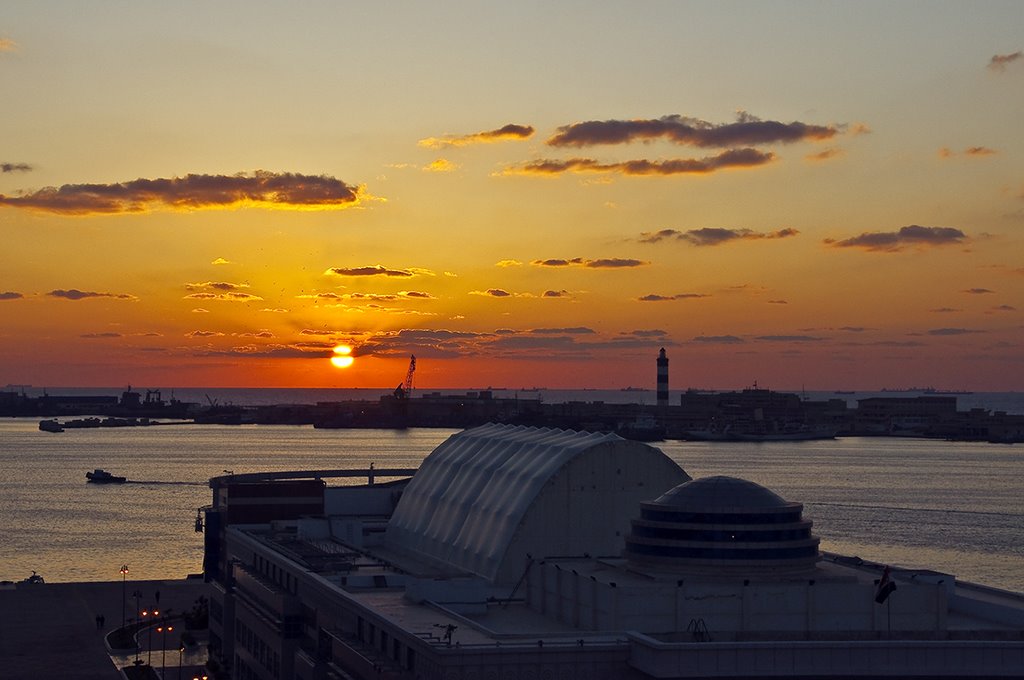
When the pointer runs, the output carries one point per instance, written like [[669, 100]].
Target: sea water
[[951, 506]]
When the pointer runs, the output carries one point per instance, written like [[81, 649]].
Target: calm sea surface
[[951, 506]]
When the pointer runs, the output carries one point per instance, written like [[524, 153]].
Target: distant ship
[[50, 426], [101, 476]]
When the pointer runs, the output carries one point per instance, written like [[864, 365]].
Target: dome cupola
[[723, 525]]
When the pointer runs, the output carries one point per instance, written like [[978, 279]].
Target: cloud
[[15, 167], [999, 62], [221, 260], [216, 285], [653, 297], [377, 270], [274, 310], [492, 292], [1004, 308], [651, 333], [857, 129], [8, 45], [778, 302], [894, 241], [223, 297], [825, 155], [853, 329], [383, 297], [600, 263], [789, 338], [75, 294], [11, 295], [506, 132], [320, 296], [321, 331], [952, 331], [101, 335], [943, 310], [203, 334], [263, 333], [432, 343], [718, 339], [746, 130], [977, 291], [733, 158], [200, 310], [441, 165], [192, 192], [556, 294], [971, 151], [508, 263], [711, 236], [577, 330]]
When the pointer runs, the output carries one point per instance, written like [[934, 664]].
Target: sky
[[817, 195]]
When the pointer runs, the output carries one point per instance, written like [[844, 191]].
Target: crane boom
[[404, 390]]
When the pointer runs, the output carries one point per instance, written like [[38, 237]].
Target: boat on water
[[101, 476], [34, 579], [50, 426]]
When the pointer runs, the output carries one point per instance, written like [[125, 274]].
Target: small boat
[[101, 476], [50, 426], [34, 579]]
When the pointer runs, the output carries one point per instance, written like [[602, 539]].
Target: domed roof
[[721, 494], [722, 526]]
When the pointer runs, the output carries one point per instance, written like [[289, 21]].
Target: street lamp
[[163, 629], [124, 593], [153, 614], [181, 650]]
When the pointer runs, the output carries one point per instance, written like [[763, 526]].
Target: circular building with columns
[[723, 525]]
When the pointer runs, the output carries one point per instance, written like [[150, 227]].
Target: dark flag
[[885, 587]]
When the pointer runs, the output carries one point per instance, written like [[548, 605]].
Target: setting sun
[[342, 358]]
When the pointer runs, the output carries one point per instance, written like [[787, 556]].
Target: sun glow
[[342, 357]]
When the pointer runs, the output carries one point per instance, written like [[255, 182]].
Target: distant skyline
[[827, 195]]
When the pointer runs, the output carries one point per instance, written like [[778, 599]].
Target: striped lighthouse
[[662, 378]]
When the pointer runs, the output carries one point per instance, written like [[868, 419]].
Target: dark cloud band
[[15, 167], [192, 192], [506, 132], [892, 241], [746, 131], [711, 236], [733, 158], [75, 294]]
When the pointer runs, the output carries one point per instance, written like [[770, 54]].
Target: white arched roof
[[487, 497]]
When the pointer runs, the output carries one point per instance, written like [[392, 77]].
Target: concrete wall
[[728, 607], [379, 499], [833, 659]]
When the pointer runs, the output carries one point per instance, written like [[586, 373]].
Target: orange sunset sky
[[826, 195]]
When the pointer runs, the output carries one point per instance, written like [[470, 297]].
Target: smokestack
[[662, 378]]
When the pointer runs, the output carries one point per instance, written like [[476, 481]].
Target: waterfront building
[[518, 552]]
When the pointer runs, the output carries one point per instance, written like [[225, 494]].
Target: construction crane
[[404, 390]]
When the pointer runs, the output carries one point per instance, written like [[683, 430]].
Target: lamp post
[[137, 594], [163, 629], [155, 613], [181, 650], [124, 592]]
